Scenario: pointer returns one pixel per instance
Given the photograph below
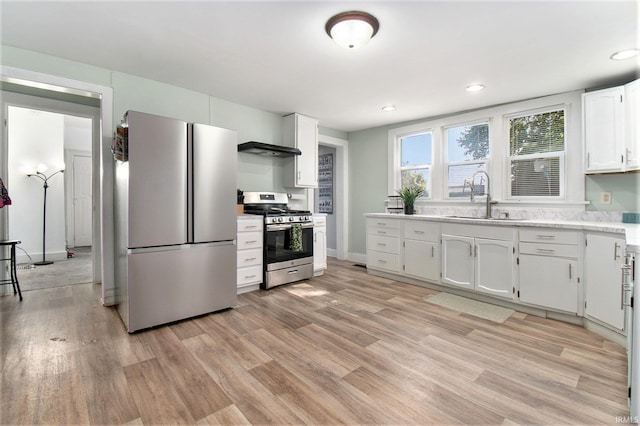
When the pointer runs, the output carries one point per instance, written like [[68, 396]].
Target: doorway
[[48, 143], [337, 223]]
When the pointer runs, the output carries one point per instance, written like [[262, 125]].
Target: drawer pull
[[382, 232], [249, 259], [382, 261], [545, 237], [382, 244], [250, 276], [251, 242], [418, 232], [547, 251], [381, 224], [250, 226]]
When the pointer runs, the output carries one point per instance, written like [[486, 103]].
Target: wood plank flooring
[[344, 348]]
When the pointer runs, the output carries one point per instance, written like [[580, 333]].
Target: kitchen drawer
[[383, 223], [557, 250], [249, 240], [383, 244], [249, 275], [547, 235], [387, 232], [245, 225], [249, 257], [380, 260], [422, 230]]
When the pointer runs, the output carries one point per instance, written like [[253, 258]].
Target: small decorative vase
[[408, 209]]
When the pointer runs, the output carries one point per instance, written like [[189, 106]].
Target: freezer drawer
[[170, 285]]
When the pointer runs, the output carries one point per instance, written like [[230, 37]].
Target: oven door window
[[286, 244]]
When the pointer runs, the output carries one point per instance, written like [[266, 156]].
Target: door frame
[[341, 195], [102, 165]]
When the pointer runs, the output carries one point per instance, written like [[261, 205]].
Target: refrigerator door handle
[[190, 208]]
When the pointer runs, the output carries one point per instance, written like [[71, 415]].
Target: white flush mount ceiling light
[[625, 54], [475, 87], [388, 108], [352, 29]]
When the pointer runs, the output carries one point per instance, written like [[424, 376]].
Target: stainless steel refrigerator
[[175, 215]]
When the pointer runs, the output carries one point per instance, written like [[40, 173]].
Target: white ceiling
[[276, 56]]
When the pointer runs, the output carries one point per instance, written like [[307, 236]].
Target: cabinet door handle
[[616, 246], [470, 250], [588, 159], [433, 250], [569, 271]]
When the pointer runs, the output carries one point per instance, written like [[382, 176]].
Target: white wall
[[36, 137]]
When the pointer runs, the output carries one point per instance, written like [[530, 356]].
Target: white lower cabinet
[[549, 282], [383, 244], [605, 296], [319, 244], [479, 263], [421, 248], [549, 268], [495, 267], [458, 261], [249, 253]]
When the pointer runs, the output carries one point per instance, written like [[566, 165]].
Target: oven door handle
[[284, 227]]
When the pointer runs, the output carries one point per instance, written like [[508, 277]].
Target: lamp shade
[[352, 29]]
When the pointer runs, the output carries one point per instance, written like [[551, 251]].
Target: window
[[533, 157], [468, 150], [536, 154], [416, 158]]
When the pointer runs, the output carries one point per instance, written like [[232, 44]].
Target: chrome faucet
[[487, 192]]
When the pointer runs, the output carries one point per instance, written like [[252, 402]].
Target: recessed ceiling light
[[389, 108], [625, 54], [475, 87]]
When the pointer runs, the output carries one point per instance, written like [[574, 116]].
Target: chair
[[12, 258]]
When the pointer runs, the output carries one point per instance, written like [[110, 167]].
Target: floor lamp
[[45, 180]]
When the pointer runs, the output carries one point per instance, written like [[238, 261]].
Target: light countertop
[[630, 230]]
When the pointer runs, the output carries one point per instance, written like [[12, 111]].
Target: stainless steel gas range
[[288, 238]]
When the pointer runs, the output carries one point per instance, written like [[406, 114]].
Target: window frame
[[446, 163], [573, 180], [561, 155], [421, 166]]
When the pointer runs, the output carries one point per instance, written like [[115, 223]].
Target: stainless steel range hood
[[268, 150]]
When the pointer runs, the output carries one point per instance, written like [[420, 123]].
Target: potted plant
[[409, 195]]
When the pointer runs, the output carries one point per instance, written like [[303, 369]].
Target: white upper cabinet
[[610, 129], [300, 131], [632, 117]]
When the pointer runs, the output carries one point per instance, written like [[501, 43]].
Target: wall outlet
[[605, 198]]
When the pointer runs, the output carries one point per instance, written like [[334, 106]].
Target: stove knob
[[280, 220], [306, 218], [291, 218]]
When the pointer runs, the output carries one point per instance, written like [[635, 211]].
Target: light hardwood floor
[[344, 348]]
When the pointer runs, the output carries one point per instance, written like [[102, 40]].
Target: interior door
[[82, 200]]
